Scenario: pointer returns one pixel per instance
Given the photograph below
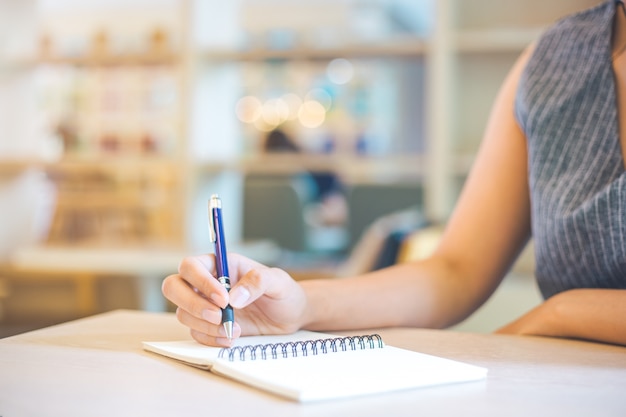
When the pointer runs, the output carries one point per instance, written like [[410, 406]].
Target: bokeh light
[[312, 114], [268, 115], [340, 71], [248, 109], [274, 111]]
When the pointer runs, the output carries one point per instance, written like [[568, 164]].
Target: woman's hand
[[585, 313], [266, 300]]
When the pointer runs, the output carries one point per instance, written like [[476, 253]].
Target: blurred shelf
[[110, 200], [87, 163], [110, 161], [466, 41], [147, 59], [17, 165], [512, 40], [351, 168], [142, 60], [398, 47]]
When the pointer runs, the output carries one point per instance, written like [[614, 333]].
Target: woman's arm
[[486, 232], [591, 314]]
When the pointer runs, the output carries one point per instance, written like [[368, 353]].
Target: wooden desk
[[96, 367]]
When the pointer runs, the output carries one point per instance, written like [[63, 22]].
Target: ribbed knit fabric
[[566, 104]]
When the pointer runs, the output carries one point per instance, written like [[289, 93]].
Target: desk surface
[[95, 366]]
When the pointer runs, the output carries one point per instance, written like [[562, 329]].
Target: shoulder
[[575, 32], [564, 58], [584, 17]]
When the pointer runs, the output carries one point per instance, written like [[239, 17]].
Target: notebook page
[[348, 374]]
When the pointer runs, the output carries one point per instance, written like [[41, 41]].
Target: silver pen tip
[[228, 328]]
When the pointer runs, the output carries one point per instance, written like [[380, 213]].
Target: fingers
[[206, 332], [249, 282], [180, 292], [197, 271], [200, 298]]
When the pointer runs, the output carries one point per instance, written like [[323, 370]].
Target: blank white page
[[347, 374]]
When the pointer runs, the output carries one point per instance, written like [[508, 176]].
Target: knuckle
[[196, 305], [186, 264], [254, 278]]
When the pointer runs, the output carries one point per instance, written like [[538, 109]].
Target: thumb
[[250, 287]]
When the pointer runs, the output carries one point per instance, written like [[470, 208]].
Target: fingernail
[[217, 299], [238, 296]]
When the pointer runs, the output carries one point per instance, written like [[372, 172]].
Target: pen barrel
[[221, 263], [227, 314]]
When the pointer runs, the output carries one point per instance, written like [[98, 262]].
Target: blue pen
[[216, 230]]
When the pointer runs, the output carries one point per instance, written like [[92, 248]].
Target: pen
[[216, 230]]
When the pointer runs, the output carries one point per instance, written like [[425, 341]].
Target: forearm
[[489, 227], [425, 294], [590, 314]]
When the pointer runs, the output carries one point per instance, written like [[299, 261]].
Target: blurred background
[[337, 133]]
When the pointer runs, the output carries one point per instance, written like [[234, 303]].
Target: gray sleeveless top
[[566, 106]]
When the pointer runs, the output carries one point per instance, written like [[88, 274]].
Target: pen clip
[[212, 232]]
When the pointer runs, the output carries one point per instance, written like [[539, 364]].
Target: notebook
[[312, 366]]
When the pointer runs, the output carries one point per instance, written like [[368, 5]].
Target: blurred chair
[[274, 209], [369, 202], [420, 244], [382, 243]]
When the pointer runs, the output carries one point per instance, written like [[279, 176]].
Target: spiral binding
[[301, 347]]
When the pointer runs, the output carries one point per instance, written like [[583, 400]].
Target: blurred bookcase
[[424, 77], [136, 131], [98, 112]]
